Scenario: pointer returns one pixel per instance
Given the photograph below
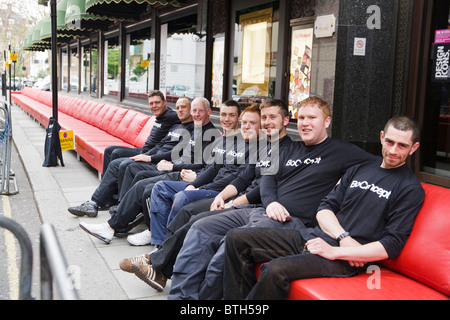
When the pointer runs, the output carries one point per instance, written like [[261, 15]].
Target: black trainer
[[88, 208]]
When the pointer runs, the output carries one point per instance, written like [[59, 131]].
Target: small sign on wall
[[359, 48], [66, 139]]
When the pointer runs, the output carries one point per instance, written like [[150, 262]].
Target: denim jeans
[[161, 201], [185, 197], [283, 249]]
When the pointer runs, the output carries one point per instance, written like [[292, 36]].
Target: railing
[[26, 262], [53, 265], [6, 174]]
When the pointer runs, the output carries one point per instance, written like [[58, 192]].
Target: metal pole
[[54, 62], [26, 262]]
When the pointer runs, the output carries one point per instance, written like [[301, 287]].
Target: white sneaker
[[100, 231], [140, 239]]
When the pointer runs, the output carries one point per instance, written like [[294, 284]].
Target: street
[[21, 208]]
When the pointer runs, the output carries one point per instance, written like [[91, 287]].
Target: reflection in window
[[255, 61], [74, 69], [94, 68], [217, 72], [111, 68], [137, 64], [64, 70], [182, 59], [85, 70]]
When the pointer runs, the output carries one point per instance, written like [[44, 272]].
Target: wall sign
[[360, 47], [441, 62]]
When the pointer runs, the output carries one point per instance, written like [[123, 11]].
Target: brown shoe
[[150, 276], [125, 264]]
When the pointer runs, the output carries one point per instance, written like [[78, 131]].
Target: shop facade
[[369, 59]]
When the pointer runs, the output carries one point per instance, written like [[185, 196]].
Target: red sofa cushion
[[136, 127], [145, 132], [392, 286], [426, 255], [420, 271]]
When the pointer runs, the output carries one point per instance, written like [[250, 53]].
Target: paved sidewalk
[[57, 188]]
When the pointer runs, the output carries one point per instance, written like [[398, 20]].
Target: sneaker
[[100, 231], [150, 276], [140, 239], [125, 264], [89, 208], [123, 233]]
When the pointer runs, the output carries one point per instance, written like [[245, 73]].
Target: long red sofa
[[421, 272], [96, 125]]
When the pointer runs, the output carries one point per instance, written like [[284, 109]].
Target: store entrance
[[435, 144]]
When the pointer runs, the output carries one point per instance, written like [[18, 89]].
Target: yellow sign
[[13, 57], [6, 64], [66, 139], [145, 63]]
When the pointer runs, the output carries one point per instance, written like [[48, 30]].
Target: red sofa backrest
[[426, 255], [145, 132], [135, 128]]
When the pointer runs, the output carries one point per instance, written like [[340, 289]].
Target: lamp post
[[54, 62]]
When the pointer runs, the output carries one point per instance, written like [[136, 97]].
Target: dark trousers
[[284, 248], [135, 172], [134, 201], [164, 259], [116, 152]]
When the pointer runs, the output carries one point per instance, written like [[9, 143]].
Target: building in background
[[369, 59]]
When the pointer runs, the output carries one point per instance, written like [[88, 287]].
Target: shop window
[[64, 70], [435, 142], [300, 66], [74, 69], [255, 53], [183, 56], [111, 78], [137, 64]]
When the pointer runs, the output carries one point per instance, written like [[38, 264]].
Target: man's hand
[[350, 242], [141, 158], [188, 175], [218, 203], [190, 187], [164, 165], [320, 247], [276, 211]]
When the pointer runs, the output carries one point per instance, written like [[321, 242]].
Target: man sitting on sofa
[[165, 119], [367, 217]]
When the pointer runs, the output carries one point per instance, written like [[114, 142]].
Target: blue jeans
[[185, 197], [167, 199], [161, 200]]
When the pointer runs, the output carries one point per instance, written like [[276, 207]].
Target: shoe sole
[[107, 241], [141, 275], [82, 213]]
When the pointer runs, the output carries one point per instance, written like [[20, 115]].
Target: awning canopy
[[76, 18], [72, 21], [126, 9]]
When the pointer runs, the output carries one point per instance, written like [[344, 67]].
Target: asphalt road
[[21, 208]]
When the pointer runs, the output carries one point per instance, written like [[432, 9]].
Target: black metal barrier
[[26, 262], [54, 269]]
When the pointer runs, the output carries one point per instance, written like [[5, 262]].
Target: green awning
[[76, 18], [126, 9], [34, 37]]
